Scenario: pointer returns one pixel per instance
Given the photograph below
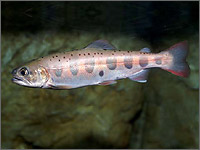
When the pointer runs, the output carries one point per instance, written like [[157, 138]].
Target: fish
[[100, 63]]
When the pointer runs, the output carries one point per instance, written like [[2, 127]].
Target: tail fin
[[179, 65]]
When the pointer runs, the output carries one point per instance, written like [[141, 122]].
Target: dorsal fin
[[146, 50], [101, 44]]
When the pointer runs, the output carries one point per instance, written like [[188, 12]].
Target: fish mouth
[[19, 81], [15, 79]]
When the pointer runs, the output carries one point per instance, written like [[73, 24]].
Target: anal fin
[[141, 76]]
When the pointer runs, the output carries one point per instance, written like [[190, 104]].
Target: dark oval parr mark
[[111, 63], [74, 69], [89, 65], [58, 72], [143, 62], [128, 62], [158, 61]]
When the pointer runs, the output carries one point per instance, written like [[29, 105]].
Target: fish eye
[[24, 71]]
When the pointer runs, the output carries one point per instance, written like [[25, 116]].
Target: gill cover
[[30, 76]]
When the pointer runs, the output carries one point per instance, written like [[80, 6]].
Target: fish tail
[[178, 66]]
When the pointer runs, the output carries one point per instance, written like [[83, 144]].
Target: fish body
[[99, 64]]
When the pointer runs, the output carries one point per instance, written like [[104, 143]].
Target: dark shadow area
[[89, 142], [150, 21]]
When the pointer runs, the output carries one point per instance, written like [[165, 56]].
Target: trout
[[100, 63]]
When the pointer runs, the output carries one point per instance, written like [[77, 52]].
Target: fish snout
[[14, 71]]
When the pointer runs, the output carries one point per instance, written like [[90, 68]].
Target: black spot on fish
[[111, 63], [128, 62], [143, 62], [42, 57], [64, 57], [53, 56], [71, 54], [50, 59], [84, 54], [56, 56], [88, 53], [59, 60], [94, 53], [97, 53], [79, 54], [142, 53], [101, 73], [112, 54], [101, 53]]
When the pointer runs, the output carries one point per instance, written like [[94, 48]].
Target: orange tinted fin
[[179, 65], [108, 82]]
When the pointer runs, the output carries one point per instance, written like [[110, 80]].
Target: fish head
[[30, 75]]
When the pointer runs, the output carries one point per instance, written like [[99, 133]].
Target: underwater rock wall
[[66, 118], [162, 113]]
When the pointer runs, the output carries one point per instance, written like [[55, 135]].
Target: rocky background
[[163, 113]]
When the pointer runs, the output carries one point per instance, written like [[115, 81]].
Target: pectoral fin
[[59, 87], [108, 82]]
